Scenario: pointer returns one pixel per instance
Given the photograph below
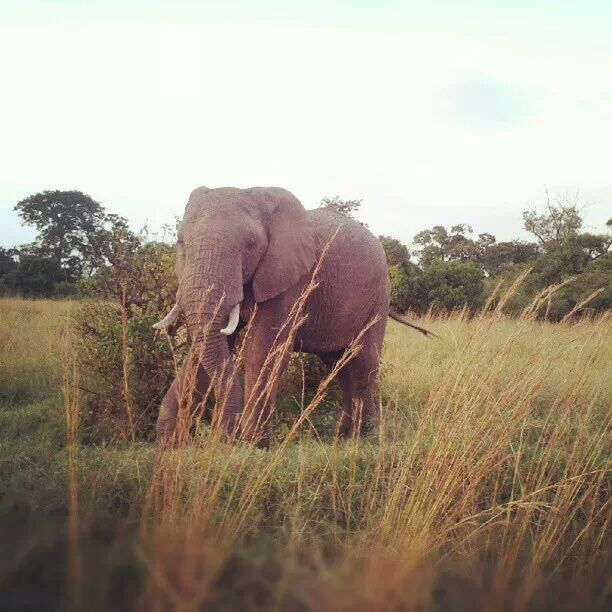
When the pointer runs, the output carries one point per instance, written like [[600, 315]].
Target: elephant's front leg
[[266, 356], [185, 395]]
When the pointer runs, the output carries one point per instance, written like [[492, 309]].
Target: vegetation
[[82, 249], [457, 271], [486, 484]]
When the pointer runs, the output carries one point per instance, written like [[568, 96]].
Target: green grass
[[486, 485]]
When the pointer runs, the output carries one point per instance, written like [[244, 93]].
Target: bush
[[451, 285], [119, 406], [405, 294], [125, 367]]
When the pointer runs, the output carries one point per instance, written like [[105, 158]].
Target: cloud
[[487, 103]]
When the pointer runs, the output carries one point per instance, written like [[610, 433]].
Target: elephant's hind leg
[[359, 380], [359, 386]]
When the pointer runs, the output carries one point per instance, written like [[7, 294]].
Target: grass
[[485, 485]]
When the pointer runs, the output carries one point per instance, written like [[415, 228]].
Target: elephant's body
[[354, 259], [258, 247]]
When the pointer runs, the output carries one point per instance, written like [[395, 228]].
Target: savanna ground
[[485, 485]]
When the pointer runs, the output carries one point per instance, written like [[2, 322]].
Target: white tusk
[[169, 319], [232, 322]]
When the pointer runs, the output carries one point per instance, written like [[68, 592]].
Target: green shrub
[[450, 285], [119, 406], [125, 367]]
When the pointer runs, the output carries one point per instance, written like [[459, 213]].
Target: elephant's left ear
[[291, 245]]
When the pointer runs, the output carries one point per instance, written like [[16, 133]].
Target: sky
[[431, 112]]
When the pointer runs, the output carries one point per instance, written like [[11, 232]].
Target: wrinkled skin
[[259, 246]]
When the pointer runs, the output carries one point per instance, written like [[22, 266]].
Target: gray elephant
[[252, 252]]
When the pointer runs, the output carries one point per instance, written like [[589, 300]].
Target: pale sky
[[431, 112]]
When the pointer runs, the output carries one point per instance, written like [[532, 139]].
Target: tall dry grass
[[485, 485], [30, 341]]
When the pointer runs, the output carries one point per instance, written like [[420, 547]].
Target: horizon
[[430, 119]]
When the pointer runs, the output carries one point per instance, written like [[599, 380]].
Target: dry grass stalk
[[125, 353], [578, 307], [543, 297], [70, 393]]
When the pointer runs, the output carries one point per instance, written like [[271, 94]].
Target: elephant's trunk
[[207, 309]]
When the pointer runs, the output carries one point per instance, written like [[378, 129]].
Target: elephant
[[247, 255]]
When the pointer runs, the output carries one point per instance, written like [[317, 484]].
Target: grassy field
[[485, 485]]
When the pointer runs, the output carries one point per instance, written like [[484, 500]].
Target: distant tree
[[598, 275], [114, 242], [34, 276], [594, 245], [403, 274], [68, 222], [568, 252], [499, 256], [406, 290], [558, 263], [348, 208], [439, 244], [7, 260], [397, 253], [560, 222]]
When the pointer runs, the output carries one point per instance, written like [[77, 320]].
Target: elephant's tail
[[397, 317]]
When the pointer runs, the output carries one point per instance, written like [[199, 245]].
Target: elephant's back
[[353, 281]]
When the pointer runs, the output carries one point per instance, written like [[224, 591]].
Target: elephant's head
[[227, 239]]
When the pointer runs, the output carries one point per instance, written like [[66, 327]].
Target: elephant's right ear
[[291, 245]]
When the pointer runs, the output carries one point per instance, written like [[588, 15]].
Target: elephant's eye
[[251, 242]]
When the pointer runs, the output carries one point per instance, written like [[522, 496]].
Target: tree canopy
[[348, 208], [68, 222]]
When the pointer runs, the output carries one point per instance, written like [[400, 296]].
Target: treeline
[[82, 249], [451, 268]]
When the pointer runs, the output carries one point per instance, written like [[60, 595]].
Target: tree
[[68, 222], [451, 285], [34, 276], [560, 222], [558, 263], [348, 208], [114, 243], [498, 256], [7, 260], [406, 291], [397, 253], [403, 275], [594, 245], [568, 252], [440, 244]]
